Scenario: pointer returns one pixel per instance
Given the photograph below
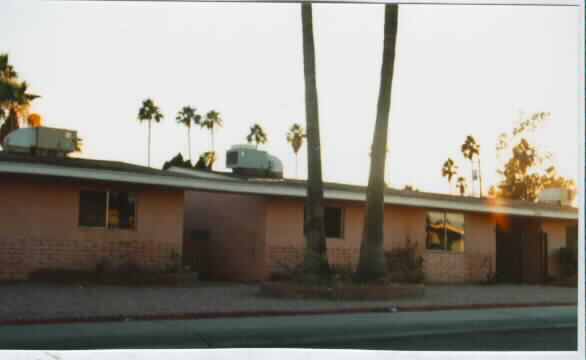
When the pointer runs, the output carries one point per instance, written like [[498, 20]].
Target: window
[[114, 210], [445, 231], [333, 222]]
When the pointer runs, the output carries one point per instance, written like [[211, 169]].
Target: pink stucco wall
[[39, 229], [235, 249]]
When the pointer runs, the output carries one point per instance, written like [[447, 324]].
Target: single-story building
[[68, 213], [243, 228]]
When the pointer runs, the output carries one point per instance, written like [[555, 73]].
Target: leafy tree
[[177, 161], [522, 177], [149, 112], [212, 121], [206, 161], [188, 116], [461, 185], [371, 265], [449, 170], [410, 188], [15, 99], [257, 135], [470, 149], [295, 137], [315, 261]]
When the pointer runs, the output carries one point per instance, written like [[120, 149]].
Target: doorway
[[521, 251]]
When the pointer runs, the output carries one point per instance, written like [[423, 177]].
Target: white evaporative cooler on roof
[[247, 160]]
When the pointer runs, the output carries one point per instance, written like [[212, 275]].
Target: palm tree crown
[[295, 137], [188, 116], [257, 135], [149, 112], [449, 170], [470, 148], [211, 121]]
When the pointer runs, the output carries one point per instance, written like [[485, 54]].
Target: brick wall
[[39, 229]]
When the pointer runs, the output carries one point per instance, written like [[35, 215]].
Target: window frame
[[107, 210], [444, 216]]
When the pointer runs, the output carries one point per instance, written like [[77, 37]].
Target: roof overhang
[[215, 184]]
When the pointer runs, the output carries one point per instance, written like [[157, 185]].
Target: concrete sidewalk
[[280, 331], [27, 301]]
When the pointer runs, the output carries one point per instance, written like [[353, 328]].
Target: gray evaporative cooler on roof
[[247, 160]]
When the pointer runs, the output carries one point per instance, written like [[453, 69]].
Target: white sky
[[460, 70]]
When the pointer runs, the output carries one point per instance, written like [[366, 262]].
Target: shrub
[[404, 265]]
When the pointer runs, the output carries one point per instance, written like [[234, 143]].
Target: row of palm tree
[[470, 150], [187, 116]]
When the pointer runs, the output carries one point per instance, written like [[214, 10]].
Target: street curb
[[215, 315]]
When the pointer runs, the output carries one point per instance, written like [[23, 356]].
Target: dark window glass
[[121, 206], [92, 208], [435, 238], [455, 232], [445, 231], [333, 222]]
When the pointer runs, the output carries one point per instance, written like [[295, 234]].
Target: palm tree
[[257, 135], [212, 121], [188, 116], [371, 265], [470, 149], [7, 71], [295, 137], [149, 112], [315, 261], [14, 98], [461, 185], [449, 170]]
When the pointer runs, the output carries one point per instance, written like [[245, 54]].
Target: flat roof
[[200, 180]]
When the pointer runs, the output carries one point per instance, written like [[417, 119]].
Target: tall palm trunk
[[296, 165], [213, 145], [189, 141], [371, 264], [149, 145], [315, 264], [480, 176]]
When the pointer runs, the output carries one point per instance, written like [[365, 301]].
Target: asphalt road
[[543, 328], [565, 339]]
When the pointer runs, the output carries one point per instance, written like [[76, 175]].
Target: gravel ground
[[31, 301]]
